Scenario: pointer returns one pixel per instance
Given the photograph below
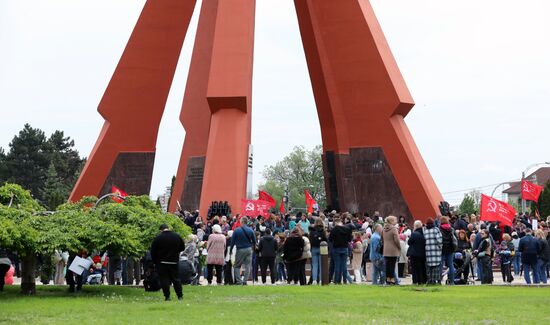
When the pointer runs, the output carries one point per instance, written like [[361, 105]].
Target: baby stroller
[[462, 263], [186, 271], [97, 275], [151, 280]]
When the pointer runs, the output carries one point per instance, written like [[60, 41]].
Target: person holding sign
[[79, 264]]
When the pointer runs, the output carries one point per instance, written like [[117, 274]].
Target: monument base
[[362, 181], [191, 195], [131, 172]]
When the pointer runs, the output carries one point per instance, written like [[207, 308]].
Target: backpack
[[151, 281], [293, 251], [380, 248], [186, 271]]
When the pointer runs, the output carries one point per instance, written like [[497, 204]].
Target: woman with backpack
[[449, 245], [292, 253], [316, 236]]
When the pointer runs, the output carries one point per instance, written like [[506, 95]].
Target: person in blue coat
[[529, 247], [378, 266]]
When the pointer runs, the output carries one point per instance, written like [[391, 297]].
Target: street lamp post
[[523, 203]]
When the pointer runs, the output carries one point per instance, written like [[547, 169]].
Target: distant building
[[541, 176], [163, 199]]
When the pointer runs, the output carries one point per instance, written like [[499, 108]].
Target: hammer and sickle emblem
[[492, 206], [249, 206]]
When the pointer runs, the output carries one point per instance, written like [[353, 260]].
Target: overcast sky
[[479, 72]]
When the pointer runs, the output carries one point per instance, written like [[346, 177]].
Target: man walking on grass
[[165, 252]]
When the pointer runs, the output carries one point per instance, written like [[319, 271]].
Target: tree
[[31, 156], [171, 190], [468, 205], [27, 160], [301, 169], [3, 167], [54, 193], [544, 202], [65, 158], [125, 229]]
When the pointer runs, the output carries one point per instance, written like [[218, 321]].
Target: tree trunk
[[28, 276]]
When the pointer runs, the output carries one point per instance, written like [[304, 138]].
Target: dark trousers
[[418, 266], [228, 273], [264, 263], [293, 271], [390, 268], [401, 270], [506, 270], [486, 270], [168, 274], [4, 268], [74, 281], [210, 272]]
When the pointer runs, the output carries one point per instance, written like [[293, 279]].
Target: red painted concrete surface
[[360, 94], [195, 112], [135, 98]]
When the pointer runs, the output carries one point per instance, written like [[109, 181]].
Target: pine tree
[[54, 193], [27, 160], [30, 156], [171, 188], [3, 167]]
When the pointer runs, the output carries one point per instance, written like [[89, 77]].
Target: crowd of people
[[455, 249]]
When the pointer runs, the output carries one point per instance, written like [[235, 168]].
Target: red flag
[[310, 202], [264, 196], [119, 192], [254, 208], [282, 207], [495, 210], [530, 191]]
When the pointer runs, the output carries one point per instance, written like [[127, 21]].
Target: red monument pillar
[[229, 96], [195, 115], [134, 101], [370, 159]]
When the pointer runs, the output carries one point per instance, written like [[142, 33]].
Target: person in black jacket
[[340, 236], [267, 249], [417, 253], [317, 235], [165, 252], [292, 253]]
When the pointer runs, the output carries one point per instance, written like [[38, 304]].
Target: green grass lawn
[[280, 305]]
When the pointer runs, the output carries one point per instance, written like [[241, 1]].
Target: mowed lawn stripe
[[281, 305]]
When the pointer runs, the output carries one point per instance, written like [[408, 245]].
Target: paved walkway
[[518, 281]]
